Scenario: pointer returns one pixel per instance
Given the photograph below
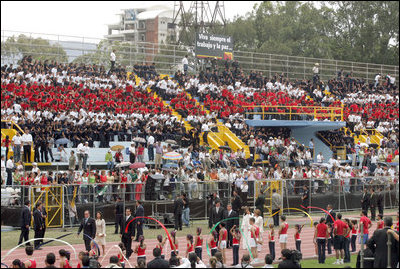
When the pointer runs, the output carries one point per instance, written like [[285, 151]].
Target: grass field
[[313, 263]]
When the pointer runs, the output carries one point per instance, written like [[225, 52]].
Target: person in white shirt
[[27, 142], [132, 153], [85, 155], [320, 158], [377, 78], [16, 142], [185, 64], [80, 152], [3, 170], [150, 147], [316, 72], [9, 169], [112, 60]]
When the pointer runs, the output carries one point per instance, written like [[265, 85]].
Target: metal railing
[[167, 58], [96, 196], [296, 112]]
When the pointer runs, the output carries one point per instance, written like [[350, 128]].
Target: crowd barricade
[[65, 203]]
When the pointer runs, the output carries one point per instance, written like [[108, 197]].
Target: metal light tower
[[200, 16]]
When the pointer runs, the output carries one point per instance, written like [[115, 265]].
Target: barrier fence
[[65, 203], [168, 58]]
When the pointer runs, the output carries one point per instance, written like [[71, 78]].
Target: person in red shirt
[[321, 234], [347, 257], [366, 223], [140, 249], [297, 238], [380, 224], [190, 245], [64, 258], [353, 235], [161, 244], [254, 234], [222, 242], [198, 243], [236, 236], [340, 231], [30, 263]]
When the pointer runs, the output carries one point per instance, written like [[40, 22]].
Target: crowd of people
[[330, 232], [83, 104]]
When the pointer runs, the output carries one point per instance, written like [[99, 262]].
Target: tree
[[37, 48], [366, 31], [127, 53]]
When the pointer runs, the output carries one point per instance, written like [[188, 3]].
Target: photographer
[[290, 259]]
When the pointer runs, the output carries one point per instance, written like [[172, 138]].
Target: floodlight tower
[[200, 16]]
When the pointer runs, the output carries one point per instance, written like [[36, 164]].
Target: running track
[[307, 247]]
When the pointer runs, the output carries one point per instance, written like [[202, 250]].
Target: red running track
[[307, 248]]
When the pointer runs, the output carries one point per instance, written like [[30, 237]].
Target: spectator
[[85, 155], [114, 263], [185, 64], [16, 142], [150, 147], [268, 261], [50, 260], [72, 161], [9, 170], [132, 153], [3, 170], [112, 61], [27, 143], [378, 245], [109, 160], [245, 262], [157, 262], [119, 158], [287, 261]]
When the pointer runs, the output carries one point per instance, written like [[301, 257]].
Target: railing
[[96, 196], [291, 112], [168, 58], [13, 125]]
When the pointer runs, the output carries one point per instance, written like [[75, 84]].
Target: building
[[150, 25]]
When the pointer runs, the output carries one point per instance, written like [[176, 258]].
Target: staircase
[[188, 127], [374, 135], [223, 136]]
